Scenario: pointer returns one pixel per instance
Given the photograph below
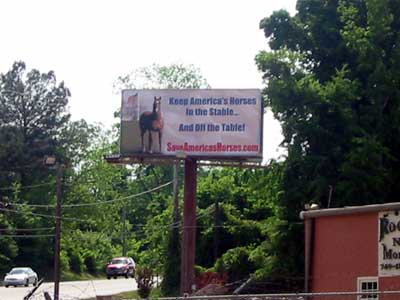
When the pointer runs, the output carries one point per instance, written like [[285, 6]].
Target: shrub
[[145, 281], [90, 263], [236, 263], [76, 262]]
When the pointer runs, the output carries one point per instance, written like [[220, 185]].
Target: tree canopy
[[332, 80]]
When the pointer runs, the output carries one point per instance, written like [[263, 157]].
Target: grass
[[69, 276], [155, 293], [123, 296]]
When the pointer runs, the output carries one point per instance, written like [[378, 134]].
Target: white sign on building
[[389, 243]]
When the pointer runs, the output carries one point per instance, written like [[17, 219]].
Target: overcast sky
[[90, 43]]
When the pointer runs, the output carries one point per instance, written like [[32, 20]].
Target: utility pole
[[176, 217], [57, 248], [124, 230], [216, 229], [189, 227]]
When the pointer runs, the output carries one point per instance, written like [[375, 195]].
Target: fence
[[376, 295]]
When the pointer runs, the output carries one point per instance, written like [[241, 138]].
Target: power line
[[41, 215], [27, 186], [118, 199], [94, 203], [25, 235], [26, 229]]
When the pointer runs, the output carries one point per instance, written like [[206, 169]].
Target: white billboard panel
[[206, 123]]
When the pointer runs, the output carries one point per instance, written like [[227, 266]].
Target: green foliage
[[331, 80], [32, 115], [145, 280], [236, 263], [172, 273], [64, 261], [75, 262]]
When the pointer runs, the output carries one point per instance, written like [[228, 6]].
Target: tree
[[32, 115], [174, 76], [332, 81]]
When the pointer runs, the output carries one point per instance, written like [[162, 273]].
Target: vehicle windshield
[[17, 271], [119, 261]]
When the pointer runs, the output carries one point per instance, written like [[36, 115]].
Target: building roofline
[[348, 210]]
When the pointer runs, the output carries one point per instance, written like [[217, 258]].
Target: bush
[[76, 262], [171, 271], [64, 261], [145, 281], [236, 263], [90, 263]]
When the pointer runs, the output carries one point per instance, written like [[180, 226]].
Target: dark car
[[121, 266]]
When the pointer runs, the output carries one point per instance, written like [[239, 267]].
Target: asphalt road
[[72, 290]]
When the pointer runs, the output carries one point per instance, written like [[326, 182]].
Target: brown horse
[[152, 121]]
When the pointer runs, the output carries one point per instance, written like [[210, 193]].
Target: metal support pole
[[189, 227], [57, 248]]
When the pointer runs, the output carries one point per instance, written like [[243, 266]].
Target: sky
[[90, 43]]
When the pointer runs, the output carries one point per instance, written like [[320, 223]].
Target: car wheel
[[115, 277], [27, 282], [35, 282], [108, 277], [6, 286]]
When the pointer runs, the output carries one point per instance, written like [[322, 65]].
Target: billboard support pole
[[189, 227]]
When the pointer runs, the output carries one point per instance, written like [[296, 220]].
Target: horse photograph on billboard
[[152, 121]]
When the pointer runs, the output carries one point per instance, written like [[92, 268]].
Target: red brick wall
[[345, 248], [390, 284]]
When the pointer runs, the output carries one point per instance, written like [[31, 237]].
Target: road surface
[[72, 290]]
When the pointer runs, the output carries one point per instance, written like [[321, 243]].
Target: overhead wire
[[26, 235], [118, 199], [41, 215], [26, 229], [27, 186], [93, 203]]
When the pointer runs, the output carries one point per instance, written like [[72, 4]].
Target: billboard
[[208, 123]]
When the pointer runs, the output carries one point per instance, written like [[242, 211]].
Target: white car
[[20, 276]]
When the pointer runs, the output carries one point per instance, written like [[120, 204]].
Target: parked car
[[121, 266], [20, 276]]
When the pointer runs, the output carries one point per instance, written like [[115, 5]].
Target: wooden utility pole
[[124, 230], [216, 229], [189, 227], [176, 217], [57, 248]]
